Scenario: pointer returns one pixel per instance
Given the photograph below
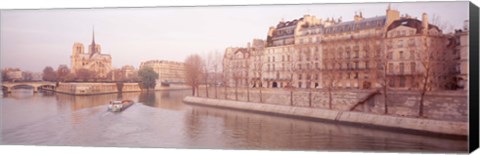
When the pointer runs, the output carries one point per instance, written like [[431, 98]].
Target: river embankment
[[443, 127]]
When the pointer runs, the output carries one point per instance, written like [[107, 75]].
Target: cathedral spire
[[93, 36], [93, 46]]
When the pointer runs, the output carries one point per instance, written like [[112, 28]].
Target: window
[[412, 67], [402, 81], [400, 44], [299, 84], [299, 76], [391, 83], [401, 55], [273, 67], [273, 59], [390, 55], [316, 65], [390, 68], [402, 68], [300, 66], [412, 55], [367, 65]]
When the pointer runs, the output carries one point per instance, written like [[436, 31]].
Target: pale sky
[[33, 39]]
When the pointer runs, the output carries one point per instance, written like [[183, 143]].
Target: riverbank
[[86, 89], [453, 128]]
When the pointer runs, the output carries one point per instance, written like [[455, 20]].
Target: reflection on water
[[160, 119]]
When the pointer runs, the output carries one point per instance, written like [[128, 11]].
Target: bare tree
[[442, 25], [236, 78], [292, 69], [217, 60], [380, 57], [206, 69], [260, 76], [62, 72], [328, 73], [432, 71], [246, 73], [193, 72], [225, 75], [27, 76], [84, 74], [49, 74], [431, 59]]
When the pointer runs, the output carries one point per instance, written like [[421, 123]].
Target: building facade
[[393, 50], [94, 61], [417, 52], [13, 74], [242, 65], [169, 72], [460, 38], [282, 54]]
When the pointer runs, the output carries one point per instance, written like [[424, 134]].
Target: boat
[[118, 106]]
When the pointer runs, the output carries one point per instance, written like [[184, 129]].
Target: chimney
[[465, 25], [358, 17], [392, 15], [424, 23]]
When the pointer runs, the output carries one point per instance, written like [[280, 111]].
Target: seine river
[[161, 119]]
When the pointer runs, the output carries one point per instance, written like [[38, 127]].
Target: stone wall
[[438, 105], [416, 124], [341, 100], [94, 88]]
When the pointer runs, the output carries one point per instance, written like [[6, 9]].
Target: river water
[[161, 119]]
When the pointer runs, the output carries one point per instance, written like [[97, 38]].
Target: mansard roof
[[289, 23], [367, 23], [410, 22]]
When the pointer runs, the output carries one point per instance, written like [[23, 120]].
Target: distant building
[[128, 71], [169, 72], [13, 74], [94, 60], [460, 38], [241, 64], [37, 76]]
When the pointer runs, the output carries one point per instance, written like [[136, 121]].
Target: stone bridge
[[8, 86]]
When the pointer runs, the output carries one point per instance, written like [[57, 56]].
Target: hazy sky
[[33, 39]]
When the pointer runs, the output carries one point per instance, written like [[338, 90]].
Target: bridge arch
[[7, 87], [23, 85]]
